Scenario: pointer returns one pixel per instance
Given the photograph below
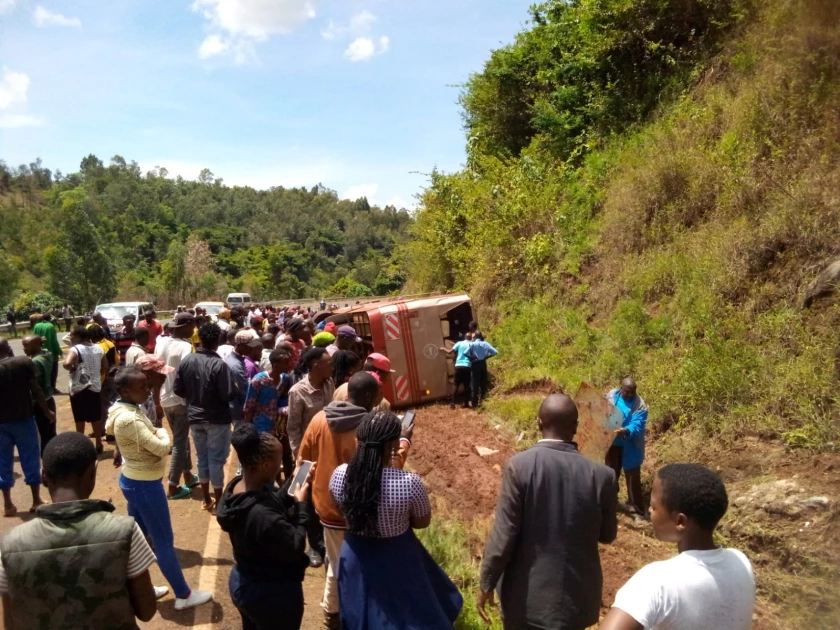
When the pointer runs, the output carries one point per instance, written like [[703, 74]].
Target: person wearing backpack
[[87, 365]]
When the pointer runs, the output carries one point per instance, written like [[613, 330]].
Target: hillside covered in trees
[[112, 231], [649, 187]]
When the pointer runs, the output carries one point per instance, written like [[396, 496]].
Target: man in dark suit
[[555, 506]]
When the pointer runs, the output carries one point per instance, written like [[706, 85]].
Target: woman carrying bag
[[88, 366]]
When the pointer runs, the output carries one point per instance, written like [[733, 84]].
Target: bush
[[38, 302]]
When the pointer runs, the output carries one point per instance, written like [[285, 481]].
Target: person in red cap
[[331, 328], [380, 366]]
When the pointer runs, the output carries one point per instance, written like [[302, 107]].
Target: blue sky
[[356, 95]]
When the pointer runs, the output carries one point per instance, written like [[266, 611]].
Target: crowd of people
[[283, 391]]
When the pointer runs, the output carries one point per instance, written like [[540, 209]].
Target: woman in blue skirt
[[386, 578]]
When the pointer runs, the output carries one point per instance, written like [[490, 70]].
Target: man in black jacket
[[555, 506]]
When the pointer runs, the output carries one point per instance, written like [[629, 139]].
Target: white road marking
[[209, 572]]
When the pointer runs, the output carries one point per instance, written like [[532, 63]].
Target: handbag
[[80, 377]]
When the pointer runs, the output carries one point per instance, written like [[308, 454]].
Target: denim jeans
[[212, 447], [24, 435], [148, 505], [180, 461]]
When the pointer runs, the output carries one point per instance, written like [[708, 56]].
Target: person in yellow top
[[107, 395], [144, 449]]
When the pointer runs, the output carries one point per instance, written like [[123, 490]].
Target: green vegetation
[[113, 231], [669, 237], [457, 547]]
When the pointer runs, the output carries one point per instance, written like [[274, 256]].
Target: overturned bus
[[410, 332]]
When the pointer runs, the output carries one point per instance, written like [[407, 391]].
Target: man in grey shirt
[[554, 507]]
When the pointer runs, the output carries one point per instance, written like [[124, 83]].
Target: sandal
[[183, 493], [9, 512], [192, 484], [209, 507]]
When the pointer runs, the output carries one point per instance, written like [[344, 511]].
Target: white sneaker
[[196, 598], [161, 591]]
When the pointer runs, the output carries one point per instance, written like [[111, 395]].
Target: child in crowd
[[268, 532], [706, 587]]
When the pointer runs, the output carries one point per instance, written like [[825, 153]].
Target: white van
[[115, 311], [238, 299], [212, 308]]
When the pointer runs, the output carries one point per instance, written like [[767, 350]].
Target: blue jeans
[[24, 435], [148, 505], [212, 447]]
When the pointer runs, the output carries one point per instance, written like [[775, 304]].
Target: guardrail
[[23, 325]]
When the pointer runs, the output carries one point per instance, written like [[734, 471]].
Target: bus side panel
[[377, 332], [430, 370]]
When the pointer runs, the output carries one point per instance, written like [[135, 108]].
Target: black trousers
[[54, 373], [315, 532], [479, 381], [46, 429], [633, 478], [462, 380], [265, 605]]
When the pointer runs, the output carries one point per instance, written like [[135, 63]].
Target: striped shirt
[[140, 558]]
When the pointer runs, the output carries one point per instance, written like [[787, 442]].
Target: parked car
[[238, 299], [115, 311], [211, 308]]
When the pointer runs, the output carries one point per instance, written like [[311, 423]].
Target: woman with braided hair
[[386, 578], [267, 529], [345, 364]]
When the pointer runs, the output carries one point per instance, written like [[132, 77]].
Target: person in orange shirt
[[330, 440]]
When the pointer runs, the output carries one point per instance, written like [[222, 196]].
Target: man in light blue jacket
[[628, 449]]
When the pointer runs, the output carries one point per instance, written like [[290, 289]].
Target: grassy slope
[[679, 254], [703, 229]]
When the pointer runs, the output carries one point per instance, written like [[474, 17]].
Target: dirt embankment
[[443, 453], [782, 526]]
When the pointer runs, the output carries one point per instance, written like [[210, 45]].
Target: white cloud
[[360, 49], [213, 45], [362, 21], [5, 5], [359, 23], [19, 121], [398, 202], [13, 88], [43, 17], [256, 19], [363, 48], [361, 190]]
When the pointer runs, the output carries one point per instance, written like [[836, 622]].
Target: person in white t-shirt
[[706, 587]]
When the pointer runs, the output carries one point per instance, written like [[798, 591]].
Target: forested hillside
[[113, 231], [650, 186]]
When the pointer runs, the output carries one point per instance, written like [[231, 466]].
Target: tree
[[79, 267], [173, 272], [9, 276]]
